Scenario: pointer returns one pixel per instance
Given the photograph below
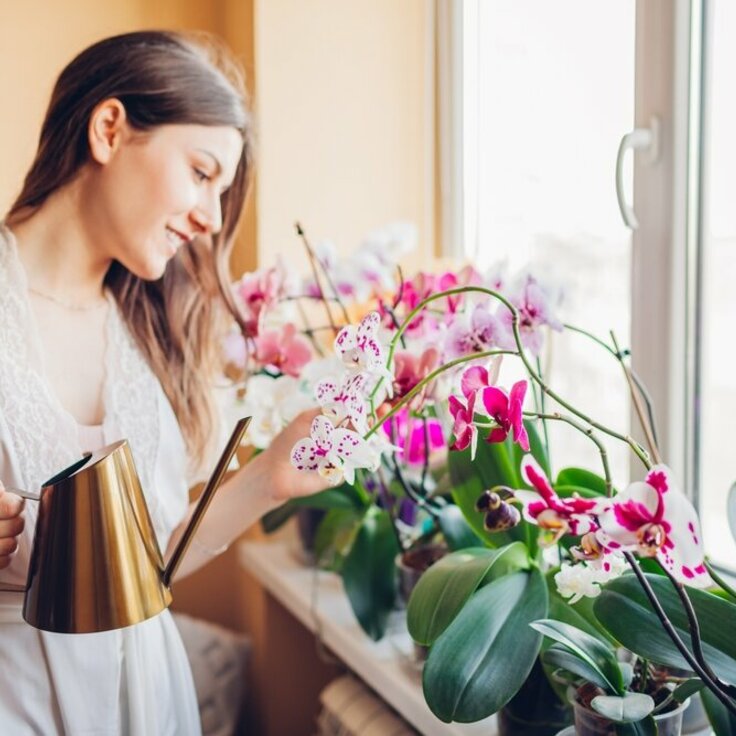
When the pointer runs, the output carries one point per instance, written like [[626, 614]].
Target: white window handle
[[639, 139]]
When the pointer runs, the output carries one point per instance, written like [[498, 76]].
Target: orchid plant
[[414, 423]]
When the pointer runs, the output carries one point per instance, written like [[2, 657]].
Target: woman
[[113, 285]]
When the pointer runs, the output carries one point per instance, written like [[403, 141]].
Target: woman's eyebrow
[[218, 165]]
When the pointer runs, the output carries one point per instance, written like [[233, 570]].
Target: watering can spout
[[204, 500]]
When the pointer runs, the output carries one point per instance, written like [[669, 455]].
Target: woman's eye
[[200, 175]]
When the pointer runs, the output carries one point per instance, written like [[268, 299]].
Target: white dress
[[135, 680]]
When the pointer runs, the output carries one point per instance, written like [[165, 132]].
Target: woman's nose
[[207, 215]]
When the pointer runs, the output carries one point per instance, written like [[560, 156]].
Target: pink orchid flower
[[334, 453], [256, 292], [547, 510], [655, 519], [535, 311], [359, 347], [284, 349], [345, 400], [476, 333], [409, 370], [410, 435], [506, 412], [465, 431]]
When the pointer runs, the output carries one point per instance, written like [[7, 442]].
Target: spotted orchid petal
[[655, 518]]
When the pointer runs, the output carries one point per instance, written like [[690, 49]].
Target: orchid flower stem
[[427, 379], [694, 627], [386, 498], [391, 313], [639, 451], [424, 503], [588, 432], [635, 397], [313, 264], [308, 331], [721, 582], [543, 410], [328, 277], [671, 631], [420, 501], [620, 355]]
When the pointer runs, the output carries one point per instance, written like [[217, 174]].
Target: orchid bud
[[500, 514]]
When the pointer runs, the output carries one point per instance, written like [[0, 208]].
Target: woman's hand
[[285, 480], [11, 524]]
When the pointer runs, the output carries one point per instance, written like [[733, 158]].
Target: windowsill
[[317, 600]]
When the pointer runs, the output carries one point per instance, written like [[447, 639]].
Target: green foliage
[[596, 656], [625, 611], [455, 529], [481, 660], [444, 588], [369, 573], [344, 496]]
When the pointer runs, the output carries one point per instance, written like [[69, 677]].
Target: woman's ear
[[107, 125]]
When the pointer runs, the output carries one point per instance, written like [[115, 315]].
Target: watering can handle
[[29, 496]]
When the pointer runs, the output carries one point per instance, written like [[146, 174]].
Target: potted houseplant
[[612, 697]]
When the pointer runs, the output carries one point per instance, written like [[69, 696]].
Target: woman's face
[[157, 190]]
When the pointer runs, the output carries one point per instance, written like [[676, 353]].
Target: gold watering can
[[95, 563]]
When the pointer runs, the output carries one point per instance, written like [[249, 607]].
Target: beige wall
[[344, 100]]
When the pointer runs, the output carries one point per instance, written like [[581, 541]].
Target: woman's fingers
[[11, 527], [10, 504]]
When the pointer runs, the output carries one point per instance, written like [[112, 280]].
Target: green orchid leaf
[[445, 587], [456, 530], [682, 692], [721, 719], [342, 497], [560, 657], [583, 479], [494, 465], [625, 611], [566, 491], [335, 536], [598, 655], [626, 708], [627, 673], [486, 653], [369, 574]]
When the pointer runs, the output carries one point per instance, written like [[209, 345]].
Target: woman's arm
[[264, 483]]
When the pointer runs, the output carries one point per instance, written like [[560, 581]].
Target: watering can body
[[95, 562]]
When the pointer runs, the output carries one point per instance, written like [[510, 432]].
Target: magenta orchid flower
[[333, 452], [359, 347], [465, 431], [410, 434], [284, 349], [655, 519], [547, 510], [345, 400], [506, 412]]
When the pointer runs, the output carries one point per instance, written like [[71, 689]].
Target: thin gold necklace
[[68, 305]]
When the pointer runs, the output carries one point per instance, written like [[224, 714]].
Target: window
[[543, 93]]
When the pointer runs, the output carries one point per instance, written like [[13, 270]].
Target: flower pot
[[536, 710], [590, 723], [412, 563], [307, 522]]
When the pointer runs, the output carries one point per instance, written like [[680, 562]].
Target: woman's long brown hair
[[161, 78]]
